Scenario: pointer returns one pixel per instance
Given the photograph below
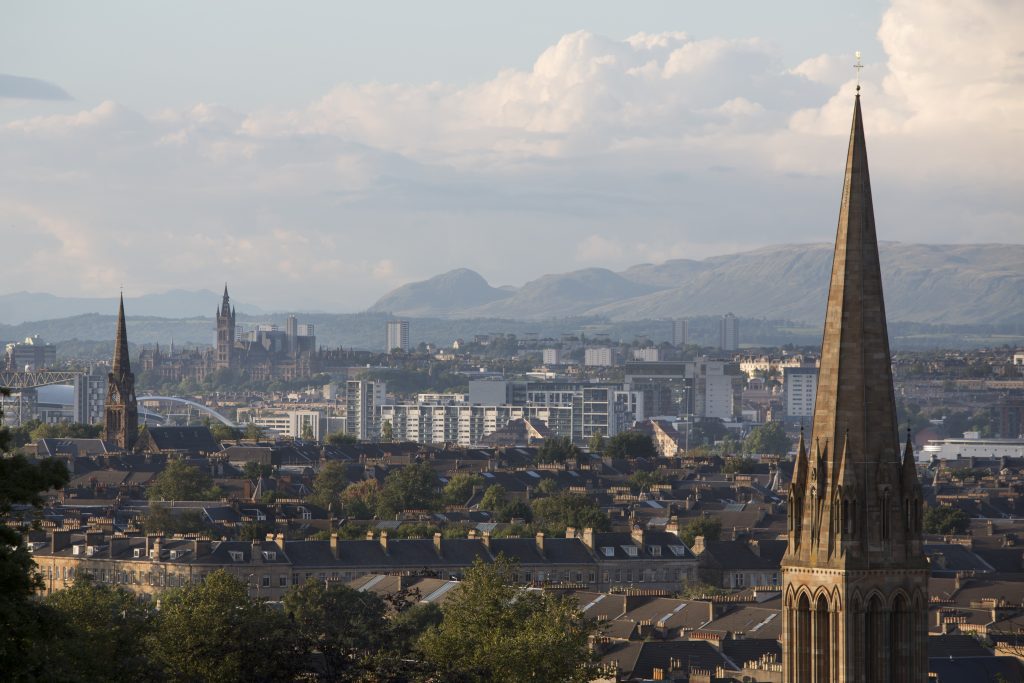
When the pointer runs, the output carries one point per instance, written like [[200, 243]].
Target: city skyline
[[594, 130]]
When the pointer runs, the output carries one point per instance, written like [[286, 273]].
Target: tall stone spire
[[120, 410], [121, 363], [855, 577]]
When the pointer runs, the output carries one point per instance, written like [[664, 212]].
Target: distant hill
[[924, 283], [441, 295], [177, 303]]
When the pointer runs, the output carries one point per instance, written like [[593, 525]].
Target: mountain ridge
[[926, 283]]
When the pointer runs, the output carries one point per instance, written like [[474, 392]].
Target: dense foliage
[[708, 527], [631, 445], [769, 438], [493, 631], [946, 520]]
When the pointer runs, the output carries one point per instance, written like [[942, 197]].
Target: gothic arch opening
[[822, 640], [802, 631]]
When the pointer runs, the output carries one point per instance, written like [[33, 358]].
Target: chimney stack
[[698, 545], [334, 545], [540, 543], [384, 540], [437, 543]]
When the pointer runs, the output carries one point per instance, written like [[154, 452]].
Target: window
[[608, 551], [236, 555], [266, 580], [269, 555], [282, 580], [631, 550], [654, 550]]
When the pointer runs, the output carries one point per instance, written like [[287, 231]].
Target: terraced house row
[[584, 559]]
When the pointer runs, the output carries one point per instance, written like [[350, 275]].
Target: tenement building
[[147, 565], [855, 578]]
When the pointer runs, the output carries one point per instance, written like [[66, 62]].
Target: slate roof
[[977, 669], [737, 555], [743, 650], [183, 439]]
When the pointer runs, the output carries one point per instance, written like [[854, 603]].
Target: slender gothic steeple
[[121, 411], [855, 575]]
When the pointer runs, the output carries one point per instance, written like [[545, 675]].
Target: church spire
[[854, 575], [854, 393], [120, 410], [121, 364]]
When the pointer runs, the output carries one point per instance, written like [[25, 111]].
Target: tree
[[253, 432], [495, 631], [330, 481], [708, 527], [181, 481], [344, 625], [740, 464], [460, 487], [707, 431], [631, 445], [222, 432], [104, 634], [946, 520], [556, 512], [770, 438], [557, 449], [65, 430], [494, 498], [547, 487], [387, 432], [412, 487], [643, 481], [360, 499], [307, 432], [255, 470], [159, 519], [212, 631], [341, 439], [23, 621], [596, 442], [696, 591]]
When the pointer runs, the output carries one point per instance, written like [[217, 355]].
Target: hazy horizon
[[328, 154]]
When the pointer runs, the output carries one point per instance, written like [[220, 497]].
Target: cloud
[[601, 152], [22, 88]]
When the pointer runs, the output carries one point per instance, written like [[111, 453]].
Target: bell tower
[[120, 411], [225, 332], [855, 578]]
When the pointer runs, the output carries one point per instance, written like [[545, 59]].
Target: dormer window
[[608, 551], [269, 555], [236, 555], [631, 550], [654, 550]]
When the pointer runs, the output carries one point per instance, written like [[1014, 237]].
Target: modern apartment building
[[801, 387], [679, 332], [398, 335], [729, 333]]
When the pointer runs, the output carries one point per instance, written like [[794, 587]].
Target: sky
[[316, 155]]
